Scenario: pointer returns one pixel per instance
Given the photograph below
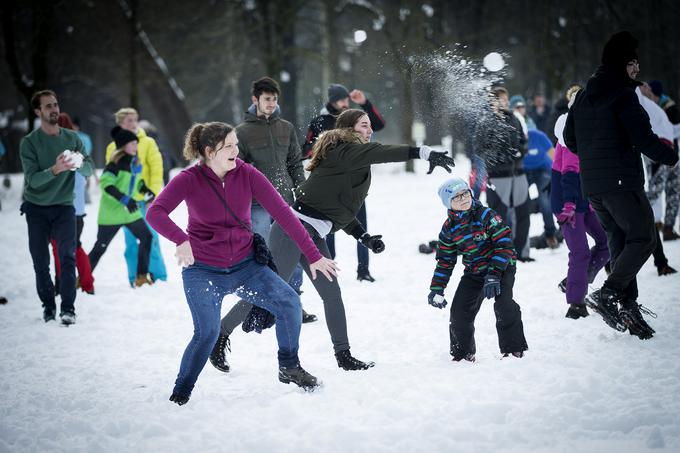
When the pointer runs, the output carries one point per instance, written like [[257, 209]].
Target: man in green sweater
[[50, 155]]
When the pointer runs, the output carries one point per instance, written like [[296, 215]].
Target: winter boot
[[68, 318], [605, 302], [298, 376], [577, 311], [49, 314], [3, 300], [563, 285], [218, 356], [632, 318], [364, 275], [669, 234], [349, 363], [308, 317], [552, 242], [143, 279], [179, 399], [665, 270], [468, 357], [518, 354]]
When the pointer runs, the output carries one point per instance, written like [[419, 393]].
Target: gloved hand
[[148, 194], [438, 159], [129, 203], [568, 215], [436, 299], [492, 286], [373, 242]]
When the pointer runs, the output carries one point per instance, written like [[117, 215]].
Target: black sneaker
[[563, 285], [218, 356], [364, 275], [49, 314], [308, 317], [67, 318], [525, 259], [349, 363], [298, 376], [632, 318], [468, 357], [179, 399], [577, 311]]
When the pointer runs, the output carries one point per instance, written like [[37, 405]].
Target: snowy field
[[103, 384]]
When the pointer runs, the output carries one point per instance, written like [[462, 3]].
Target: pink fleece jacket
[[216, 238]]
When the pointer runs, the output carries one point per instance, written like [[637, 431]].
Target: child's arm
[[501, 238], [446, 260]]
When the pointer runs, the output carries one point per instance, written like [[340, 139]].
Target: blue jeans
[[156, 263], [262, 225], [59, 223], [205, 286], [541, 177]]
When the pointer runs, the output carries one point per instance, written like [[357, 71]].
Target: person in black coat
[[608, 129]]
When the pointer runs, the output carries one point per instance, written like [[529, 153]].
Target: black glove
[[130, 204], [436, 299], [492, 286], [373, 242], [438, 159], [148, 194]]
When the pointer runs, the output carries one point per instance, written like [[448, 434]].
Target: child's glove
[[373, 242], [492, 286], [129, 203], [147, 193], [436, 299], [568, 215]]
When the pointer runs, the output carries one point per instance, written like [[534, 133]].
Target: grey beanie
[[337, 92]]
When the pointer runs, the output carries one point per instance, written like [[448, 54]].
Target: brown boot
[[143, 279], [669, 234]]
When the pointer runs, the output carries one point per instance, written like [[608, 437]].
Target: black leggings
[[138, 229]]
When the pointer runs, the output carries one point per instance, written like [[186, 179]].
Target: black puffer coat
[[608, 129]]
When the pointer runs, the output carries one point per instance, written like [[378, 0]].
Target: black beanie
[[337, 92], [122, 136], [620, 49]]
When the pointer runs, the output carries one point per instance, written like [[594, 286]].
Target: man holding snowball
[[50, 155]]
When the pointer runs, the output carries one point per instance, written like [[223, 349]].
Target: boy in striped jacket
[[483, 240]]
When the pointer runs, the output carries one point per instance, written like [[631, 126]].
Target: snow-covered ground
[[103, 384]]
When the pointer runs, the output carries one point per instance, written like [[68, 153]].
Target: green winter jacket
[[120, 179], [39, 152], [338, 186], [271, 146]]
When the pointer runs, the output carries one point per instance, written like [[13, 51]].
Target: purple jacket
[[216, 238]]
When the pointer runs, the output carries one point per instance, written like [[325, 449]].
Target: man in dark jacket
[[338, 101], [608, 129], [269, 143], [504, 145]]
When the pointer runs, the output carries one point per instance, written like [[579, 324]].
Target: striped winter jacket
[[481, 237]]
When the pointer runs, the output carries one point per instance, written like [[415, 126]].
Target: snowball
[[494, 62]]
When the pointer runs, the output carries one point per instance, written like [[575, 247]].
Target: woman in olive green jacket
[[328, 201]]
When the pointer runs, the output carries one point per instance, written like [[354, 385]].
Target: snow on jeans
[[205, 286]]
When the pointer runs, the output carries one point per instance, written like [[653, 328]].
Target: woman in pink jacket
[[217, 250], [577, 222]]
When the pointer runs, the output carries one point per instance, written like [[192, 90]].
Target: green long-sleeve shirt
[[39, 152]]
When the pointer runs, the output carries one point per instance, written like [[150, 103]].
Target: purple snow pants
[[584, 262]]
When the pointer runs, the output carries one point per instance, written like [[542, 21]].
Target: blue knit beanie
[[450, 189]]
